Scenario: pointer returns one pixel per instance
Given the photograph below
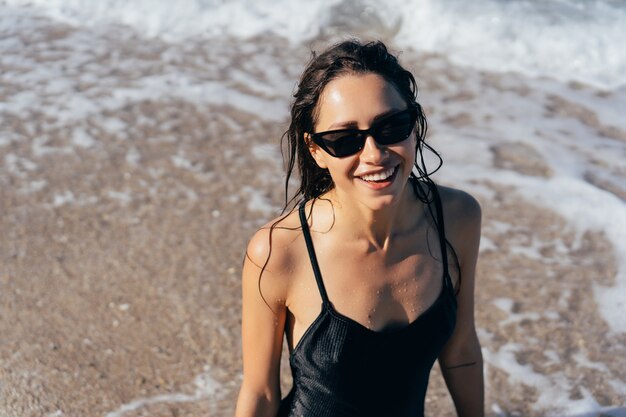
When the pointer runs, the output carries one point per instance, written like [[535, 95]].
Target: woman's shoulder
[[274, 245], [459, 206], [273, 252], [462, 219]]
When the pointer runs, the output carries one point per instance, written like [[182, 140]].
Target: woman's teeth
[[379, 176]]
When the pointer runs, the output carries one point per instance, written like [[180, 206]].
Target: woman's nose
[[372, 150]]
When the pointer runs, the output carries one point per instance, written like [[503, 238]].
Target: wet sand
[[122, 246]]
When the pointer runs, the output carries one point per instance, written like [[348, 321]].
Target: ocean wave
[[566, 40]]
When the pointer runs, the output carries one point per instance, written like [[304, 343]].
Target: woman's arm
[[461, 360], [262, 328]]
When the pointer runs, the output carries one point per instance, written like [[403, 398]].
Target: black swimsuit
[[343, 369]]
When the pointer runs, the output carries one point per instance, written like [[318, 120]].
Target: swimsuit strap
[[312, 257], [442, 235]]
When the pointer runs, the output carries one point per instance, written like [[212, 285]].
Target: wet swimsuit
[[341, 368]]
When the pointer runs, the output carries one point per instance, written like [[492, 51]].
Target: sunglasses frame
[[326, 145]]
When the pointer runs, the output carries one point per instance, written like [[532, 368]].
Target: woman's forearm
[[466, 385], [250, 404]]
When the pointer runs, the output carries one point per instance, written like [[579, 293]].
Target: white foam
[[180, 161], [567, 39], [600, 412], [582, 360], [122, 197], [133, 156], [588, 208], [39, 148], [257, 202], [564, 39], [552, 389], [566, 145], [531, 252], [552, 356], [62, 199], [189, 193], [268, 152], [77, 86], [504, 304], [206, 387], [18, 166], [591, 209], [33, 187], [81, 138], [7, 136], [113, 125], [499, 227], [487, 245]]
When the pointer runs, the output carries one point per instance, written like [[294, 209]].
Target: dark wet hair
[[348, 57]]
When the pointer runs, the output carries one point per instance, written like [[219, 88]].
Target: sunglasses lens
[[395, 129], [343, 144]]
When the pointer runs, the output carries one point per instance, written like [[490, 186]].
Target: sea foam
[[568, 39]]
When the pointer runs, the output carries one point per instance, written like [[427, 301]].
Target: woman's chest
[[369, 290]]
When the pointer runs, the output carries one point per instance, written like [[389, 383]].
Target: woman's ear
[[317, 153]]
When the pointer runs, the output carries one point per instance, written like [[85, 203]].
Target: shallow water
[[134, 168]]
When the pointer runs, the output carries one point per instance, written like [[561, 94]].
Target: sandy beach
[[133, 171]]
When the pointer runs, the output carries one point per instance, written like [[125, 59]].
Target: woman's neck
[[380, 226]]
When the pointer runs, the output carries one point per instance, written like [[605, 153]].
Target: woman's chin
[[378, 201], [379, 196]]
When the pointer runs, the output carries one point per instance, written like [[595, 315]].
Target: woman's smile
[[379, 179]]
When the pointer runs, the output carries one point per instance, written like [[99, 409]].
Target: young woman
[[387, 254]]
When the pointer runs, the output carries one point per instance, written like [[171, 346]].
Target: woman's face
[[356, 101]]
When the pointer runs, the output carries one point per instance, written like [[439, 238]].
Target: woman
[[367, 242]]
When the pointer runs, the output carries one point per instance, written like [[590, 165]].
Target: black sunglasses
[[386, 131]]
